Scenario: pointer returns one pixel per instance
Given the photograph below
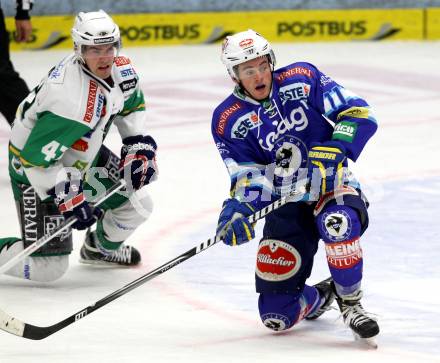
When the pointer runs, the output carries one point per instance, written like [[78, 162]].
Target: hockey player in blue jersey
[[294, 129]]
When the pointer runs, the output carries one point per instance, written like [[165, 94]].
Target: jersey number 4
[[53, 150]]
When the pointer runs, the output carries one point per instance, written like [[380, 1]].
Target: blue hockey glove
[[138, 158], [234, 224], [325, 167], [69, 198]]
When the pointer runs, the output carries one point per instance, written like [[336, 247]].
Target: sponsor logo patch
[[30, 218], [277, 260], [127, 72], [294, 71], [294, 91], [121, 61], [297, 121], [99, 107], [344, 254], [51, 223], [93, 88], [345, 130], [104, 40], [245, 123], [128, 85], [246, 43], [223, 119]]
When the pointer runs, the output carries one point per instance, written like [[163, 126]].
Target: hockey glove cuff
[[69, 198], [138, 159], [325, 166], [233, 223]]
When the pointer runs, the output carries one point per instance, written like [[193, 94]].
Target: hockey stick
[[62, 227], [25, 330]]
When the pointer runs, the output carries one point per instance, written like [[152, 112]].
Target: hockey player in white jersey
[[58, 160]]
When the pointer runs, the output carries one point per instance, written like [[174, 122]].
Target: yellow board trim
[[150, 29]]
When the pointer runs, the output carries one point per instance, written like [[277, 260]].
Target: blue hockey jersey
[[265, 144]]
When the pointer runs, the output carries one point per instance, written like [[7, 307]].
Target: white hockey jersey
[[64, 120]]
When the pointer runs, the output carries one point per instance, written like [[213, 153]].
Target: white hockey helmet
[[95, 28], [242, 47]]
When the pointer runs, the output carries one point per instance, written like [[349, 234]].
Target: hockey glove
[[234, 224], [138, 159], [69, 198], [325, 167]]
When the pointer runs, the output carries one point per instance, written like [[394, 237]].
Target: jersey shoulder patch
[[125, 74]]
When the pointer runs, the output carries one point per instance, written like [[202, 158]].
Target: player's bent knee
[[339, 223], [278, 311]]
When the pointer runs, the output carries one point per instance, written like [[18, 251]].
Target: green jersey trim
[[51, 136], [135, 102]]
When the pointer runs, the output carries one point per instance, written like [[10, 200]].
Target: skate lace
[[355, 315], [123, 254]]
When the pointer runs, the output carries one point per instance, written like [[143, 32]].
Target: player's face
[[256, 77], [99, 59]]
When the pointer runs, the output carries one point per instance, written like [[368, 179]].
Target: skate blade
[[103, 264], [369, 343]]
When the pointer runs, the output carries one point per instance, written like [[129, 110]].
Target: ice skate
[[93, 253], [325, 291], [364, 328]]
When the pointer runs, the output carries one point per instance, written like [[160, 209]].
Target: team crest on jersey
[[290, 155], [247, 122], [277, 260]]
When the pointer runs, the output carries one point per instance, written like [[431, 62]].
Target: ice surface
[[205, 309]]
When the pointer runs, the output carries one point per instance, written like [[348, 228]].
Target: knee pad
[[119, 223], [46, 269], [41, 269], [338, 223], [282, 311], [142, 203], [278, 311], [38, 218], [282, 267], [340, 228]]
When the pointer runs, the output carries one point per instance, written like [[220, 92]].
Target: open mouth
[[260, 87]]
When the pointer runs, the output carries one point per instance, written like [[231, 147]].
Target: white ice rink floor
[[205, 310]]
